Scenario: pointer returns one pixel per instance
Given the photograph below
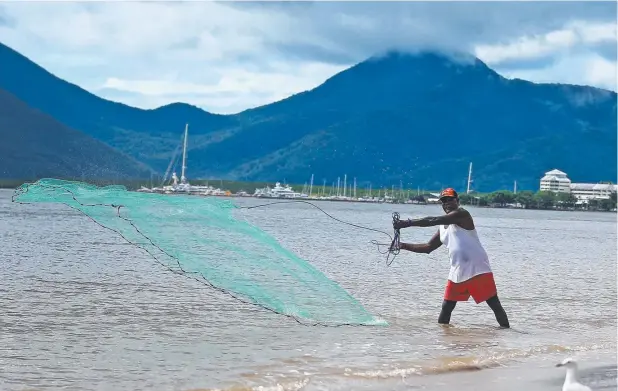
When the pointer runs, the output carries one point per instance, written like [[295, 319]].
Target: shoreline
[[498, 199], [352, 201], [596, 369]]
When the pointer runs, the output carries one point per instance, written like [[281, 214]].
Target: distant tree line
[[498, 199], [539, 200]]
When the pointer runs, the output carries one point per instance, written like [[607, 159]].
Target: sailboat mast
[[469, 178], [184, 155]]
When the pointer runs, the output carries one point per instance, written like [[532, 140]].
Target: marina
[[342, 191], [556, 191]]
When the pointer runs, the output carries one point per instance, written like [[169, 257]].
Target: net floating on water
[[199, 237]]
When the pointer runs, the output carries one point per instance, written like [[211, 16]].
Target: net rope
[[198, 237]]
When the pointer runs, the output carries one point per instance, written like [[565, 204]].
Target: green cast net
[[199, 237]]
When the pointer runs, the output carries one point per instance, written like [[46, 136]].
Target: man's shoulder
[[463, 211], [465, 220]]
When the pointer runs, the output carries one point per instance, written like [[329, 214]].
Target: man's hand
[[426, 248], [401, 224]]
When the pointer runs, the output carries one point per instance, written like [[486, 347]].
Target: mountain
[[142, 133], [419, 118], [35, 145]]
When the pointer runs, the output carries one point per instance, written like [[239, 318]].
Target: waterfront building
[[558, 182]]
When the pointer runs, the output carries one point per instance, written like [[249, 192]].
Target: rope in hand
[[394, 247]]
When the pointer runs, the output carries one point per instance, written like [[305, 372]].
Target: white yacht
[[279, 191]]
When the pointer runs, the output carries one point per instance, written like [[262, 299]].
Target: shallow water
[[82, 310]]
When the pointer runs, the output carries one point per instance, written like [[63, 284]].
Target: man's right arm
[[425, 248]]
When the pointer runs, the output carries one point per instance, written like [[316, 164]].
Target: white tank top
[[468, 257]]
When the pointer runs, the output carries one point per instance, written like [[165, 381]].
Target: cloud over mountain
[[226, 57]]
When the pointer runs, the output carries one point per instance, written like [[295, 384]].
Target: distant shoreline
[[274, 199]]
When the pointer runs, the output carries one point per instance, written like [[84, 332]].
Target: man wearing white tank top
[[470, 273]]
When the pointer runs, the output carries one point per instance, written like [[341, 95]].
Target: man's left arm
[[453, 217]]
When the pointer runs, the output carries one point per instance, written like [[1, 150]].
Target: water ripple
[[81, 310]]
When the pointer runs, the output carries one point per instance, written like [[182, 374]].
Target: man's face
[[449, 204]]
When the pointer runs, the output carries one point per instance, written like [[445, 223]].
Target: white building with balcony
[[556, 181], [587, 191]]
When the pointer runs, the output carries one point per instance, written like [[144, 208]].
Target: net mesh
[[199, 237]]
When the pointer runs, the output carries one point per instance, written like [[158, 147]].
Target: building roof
[[582, 186], [594, 186], [552, 178], [555, 172], [605, 187]]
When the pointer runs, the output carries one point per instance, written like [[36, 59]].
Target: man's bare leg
[[496, 306], [447, 308]]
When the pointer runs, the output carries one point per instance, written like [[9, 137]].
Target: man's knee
[[448, 306], [496, 306], [445, 315], [494, 302]]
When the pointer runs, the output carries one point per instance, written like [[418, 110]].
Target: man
[[470, 273]]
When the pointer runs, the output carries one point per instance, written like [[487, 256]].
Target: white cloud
[[601, 72], [589, 69], [226, 57], [572, 61], [602, 32], [275, 84], [529, 47], [157, 87]]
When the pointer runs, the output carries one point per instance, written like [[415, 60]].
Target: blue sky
[[226, 57]]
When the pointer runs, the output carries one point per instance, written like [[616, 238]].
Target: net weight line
[[393, 248]]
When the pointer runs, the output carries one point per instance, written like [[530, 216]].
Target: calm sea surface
[[83, 310]]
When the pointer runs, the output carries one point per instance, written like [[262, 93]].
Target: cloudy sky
[[226, 57]]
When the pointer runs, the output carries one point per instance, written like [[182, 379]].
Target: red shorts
[[481, 288]]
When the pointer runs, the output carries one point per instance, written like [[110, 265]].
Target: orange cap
[[448, 192]]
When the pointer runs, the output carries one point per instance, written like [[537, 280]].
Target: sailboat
[[182, 186]]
